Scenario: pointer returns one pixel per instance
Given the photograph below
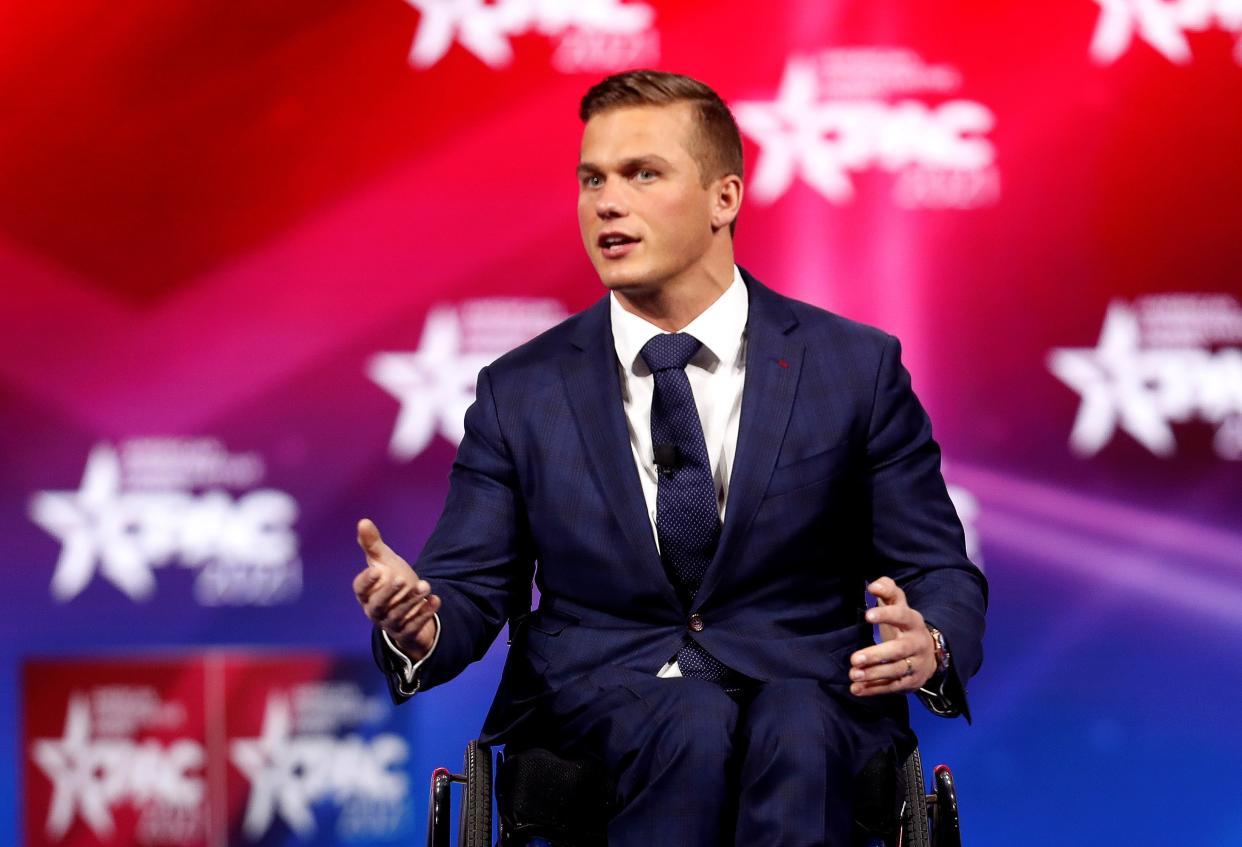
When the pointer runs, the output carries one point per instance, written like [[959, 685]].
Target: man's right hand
[[393, 596]]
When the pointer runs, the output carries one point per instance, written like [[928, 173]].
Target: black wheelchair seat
[[539, 794]]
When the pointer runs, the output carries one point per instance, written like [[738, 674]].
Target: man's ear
[[726, 200]]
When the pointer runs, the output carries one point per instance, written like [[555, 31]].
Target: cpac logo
[[91, 776], [595, 34], [1142, 390], [289, 773], [435, 384], [1163, 24], [830, 120], [244, 548]]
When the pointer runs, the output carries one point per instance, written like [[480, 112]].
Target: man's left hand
[[905, 658]]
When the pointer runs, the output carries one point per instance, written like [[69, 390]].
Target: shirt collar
[[719, 327]]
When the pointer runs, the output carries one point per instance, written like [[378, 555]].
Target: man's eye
[[592, 181], [645, 174]]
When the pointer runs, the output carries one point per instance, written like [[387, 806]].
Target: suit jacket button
[[696, 622]]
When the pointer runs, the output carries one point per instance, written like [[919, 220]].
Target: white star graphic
[[68, 763], [273, 787], [799, 135], [1114, 381], [434, 385], [94, 525]]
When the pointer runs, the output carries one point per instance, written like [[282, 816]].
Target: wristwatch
[[942, 649]]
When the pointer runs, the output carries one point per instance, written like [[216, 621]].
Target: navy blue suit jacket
[[836, 481]]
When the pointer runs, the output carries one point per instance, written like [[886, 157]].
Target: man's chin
[[617, 276]]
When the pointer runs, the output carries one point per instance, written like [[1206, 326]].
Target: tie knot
[[669, 350]]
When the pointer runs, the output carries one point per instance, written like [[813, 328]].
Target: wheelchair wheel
[[914, 817], [945, 823], [475, 825]]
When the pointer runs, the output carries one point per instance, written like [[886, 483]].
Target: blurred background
[[253, 255]]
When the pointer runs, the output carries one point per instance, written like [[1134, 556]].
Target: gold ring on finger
[[909, 668]]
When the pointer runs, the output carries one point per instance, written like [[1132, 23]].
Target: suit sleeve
[[479, 558], [916, 536]]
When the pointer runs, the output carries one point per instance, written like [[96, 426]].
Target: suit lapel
[[773, 363], [594, 391]]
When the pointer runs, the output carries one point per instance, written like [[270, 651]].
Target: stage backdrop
[[253, 256]]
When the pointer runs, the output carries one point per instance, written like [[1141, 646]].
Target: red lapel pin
[[782, 363]]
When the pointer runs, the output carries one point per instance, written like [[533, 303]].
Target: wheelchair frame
[[927, 819]]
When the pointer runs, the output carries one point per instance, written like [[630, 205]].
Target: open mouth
[[614, 245]]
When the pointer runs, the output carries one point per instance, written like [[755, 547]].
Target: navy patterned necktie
[[687, 517]]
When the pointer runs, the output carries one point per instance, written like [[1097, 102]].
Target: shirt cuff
[[409, 682], [935, 687], [940, 694]]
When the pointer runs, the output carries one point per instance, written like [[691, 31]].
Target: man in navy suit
[[704, 479]]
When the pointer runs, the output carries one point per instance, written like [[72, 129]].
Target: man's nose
[[609, 203]]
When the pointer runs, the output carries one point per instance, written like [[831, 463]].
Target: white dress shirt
[[716, 373]]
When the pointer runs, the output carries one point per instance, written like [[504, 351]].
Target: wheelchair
[[546, 801]]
